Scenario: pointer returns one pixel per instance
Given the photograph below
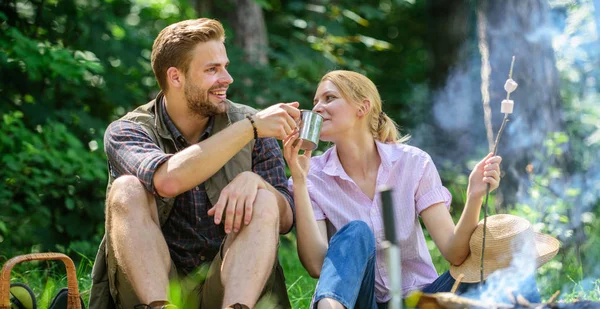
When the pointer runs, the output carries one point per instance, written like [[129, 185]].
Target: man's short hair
[[173, 45]]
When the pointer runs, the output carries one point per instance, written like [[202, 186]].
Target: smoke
[[551, 145], [516, 279], [449, 112], [456, 126]]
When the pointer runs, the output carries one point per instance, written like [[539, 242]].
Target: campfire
[[449, 300], [453, 301], [499, 274]]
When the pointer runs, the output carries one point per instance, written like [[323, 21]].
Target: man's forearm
[[195, 164]]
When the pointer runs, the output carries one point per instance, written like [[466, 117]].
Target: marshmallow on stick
[[507, 106], [510, 85]]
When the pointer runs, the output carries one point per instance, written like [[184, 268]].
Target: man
[[177, 162]]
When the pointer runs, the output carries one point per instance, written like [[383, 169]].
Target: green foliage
[[380, 39], [50, 195], [82, 63], [587, 291], [567, 211], [67, 69], [563, 193]]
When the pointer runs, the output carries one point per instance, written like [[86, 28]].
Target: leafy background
[[69, 67]]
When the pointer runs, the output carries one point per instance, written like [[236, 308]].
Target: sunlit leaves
[[355, 17], [374, 43], [117, 32], [43, 59]]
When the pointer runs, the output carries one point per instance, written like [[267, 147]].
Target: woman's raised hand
[[299, 164], [487, 171]]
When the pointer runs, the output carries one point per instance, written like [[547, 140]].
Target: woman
[[337, 190]]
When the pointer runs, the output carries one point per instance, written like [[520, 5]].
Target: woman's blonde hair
[[355, 88]]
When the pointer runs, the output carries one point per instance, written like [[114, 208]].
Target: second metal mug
[[310, 129]]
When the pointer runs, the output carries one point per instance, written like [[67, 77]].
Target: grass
[[299, 284], [47, 278]]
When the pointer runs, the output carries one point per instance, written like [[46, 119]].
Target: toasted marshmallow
[[510, 85], [507, 106]]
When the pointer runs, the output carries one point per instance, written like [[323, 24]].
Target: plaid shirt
[[191, 235]]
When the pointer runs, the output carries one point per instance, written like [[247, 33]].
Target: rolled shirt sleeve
[[131, 151], [430, 190]]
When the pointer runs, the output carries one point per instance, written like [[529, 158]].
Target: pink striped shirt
[[416, 185]]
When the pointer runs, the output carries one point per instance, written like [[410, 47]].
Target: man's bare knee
[[129, 197], [265, 208], [265, 213]]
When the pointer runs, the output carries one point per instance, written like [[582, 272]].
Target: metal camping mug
[[310, 129]]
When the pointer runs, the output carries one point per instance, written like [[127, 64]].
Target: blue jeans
[[528, 288], [348, 272]]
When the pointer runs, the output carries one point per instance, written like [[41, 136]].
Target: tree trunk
[[203, 7], [522, 29], [250, 30], [449, 25], [457, 131]]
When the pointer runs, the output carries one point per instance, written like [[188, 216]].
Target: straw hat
[[505, 235]]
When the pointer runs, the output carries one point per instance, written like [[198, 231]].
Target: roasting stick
[[392, 249], [506, 108], [553, 297], [457, 283]]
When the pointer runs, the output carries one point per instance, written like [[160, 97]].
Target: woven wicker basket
[[73, 294]]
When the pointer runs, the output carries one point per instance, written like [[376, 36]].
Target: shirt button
[[373, 210]]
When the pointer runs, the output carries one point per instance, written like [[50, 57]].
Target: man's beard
[[198, 102]]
